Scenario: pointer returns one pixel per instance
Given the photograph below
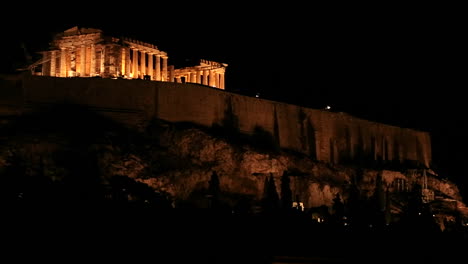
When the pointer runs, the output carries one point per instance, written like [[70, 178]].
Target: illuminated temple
[[87, 52]]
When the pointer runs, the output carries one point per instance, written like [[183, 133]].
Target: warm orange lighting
[[299, 205]]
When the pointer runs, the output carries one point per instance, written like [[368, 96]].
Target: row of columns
[[157, 68], [62, 56], [129, 62], [211, 78]]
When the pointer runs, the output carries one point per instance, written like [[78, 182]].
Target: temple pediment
[[78, 31], [71, 30]]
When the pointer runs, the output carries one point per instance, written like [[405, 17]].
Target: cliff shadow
[[229, 129], [53, 156]]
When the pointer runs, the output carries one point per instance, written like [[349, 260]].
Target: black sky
[[402, 65]]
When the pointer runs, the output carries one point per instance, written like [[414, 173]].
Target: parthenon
[[87, 52]]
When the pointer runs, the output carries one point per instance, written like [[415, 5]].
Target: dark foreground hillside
[[119, 233], [56, 205]]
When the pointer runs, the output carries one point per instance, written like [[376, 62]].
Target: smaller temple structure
[[87, 52], [209, 73]]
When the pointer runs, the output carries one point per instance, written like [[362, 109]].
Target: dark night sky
[[402, 65]]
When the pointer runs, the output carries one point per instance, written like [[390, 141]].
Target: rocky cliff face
[[189, 166]]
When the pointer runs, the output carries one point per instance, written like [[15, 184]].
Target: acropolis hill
[[324, 153], [86, 52]]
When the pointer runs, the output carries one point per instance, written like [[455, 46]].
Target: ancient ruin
[[87, 52], [188, 131]]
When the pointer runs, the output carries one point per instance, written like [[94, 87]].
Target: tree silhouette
[[378, 202], [418, 216], [286, 193], [271, 199], [388, 206], [213, 190], [338, 210], [127, 191], [354, 207]]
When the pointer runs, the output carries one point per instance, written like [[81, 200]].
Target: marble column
[[53, 63], [92, 67], [157, 72], [123, 61], [150, 65], [212, 79], [171, 73], [135, 64], [143, 64], [198, 77], [221, 81], [216, 80], [127, 62], [72, 69], [205, 77], [164, 68], [193, 77], [82, 61], [103, 58], [63, 62]]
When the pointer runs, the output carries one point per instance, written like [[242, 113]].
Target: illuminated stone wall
[[326, 136], [125, 101]]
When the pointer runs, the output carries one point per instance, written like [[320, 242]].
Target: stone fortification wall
[[129, 102], [124, 95], [327, 136], [341, 137], [324, 135]]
